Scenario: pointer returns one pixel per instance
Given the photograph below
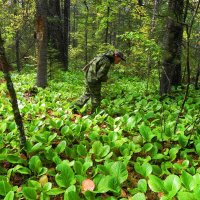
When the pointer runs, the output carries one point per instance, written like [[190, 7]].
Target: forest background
[[144, 143]]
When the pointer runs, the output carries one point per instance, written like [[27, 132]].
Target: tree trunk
[[197, 77], [17, 116], [41, 35], [140, 3], [17, 51], [171, 74], [86, 32], [55, 25], [17, 42], [107, 25], [66, 28], [74, 27]]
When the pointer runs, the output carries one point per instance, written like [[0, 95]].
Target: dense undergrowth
[[129, 149]]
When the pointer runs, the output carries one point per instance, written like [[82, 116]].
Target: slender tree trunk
[[55, 25], [153, 25], [171, 74], [107, 25], [197, 77], [74, 27], [17, 51], [17, 43], [4, 65], [153, 20], [140, 3], [86, 32], [188, 31], [41, 31], [66, 28]]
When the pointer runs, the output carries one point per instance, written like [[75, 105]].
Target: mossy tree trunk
[[171, 73], [42, 42], [5, 67]]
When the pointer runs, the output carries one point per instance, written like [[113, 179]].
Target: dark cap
[[120, 54]]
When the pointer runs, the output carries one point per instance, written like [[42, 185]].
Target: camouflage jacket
[[97, 70]]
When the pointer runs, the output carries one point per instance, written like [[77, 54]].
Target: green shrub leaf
[[66, 176], [61, 147], [5, 187], [156, 184], [29, 193], [139, 196], [142, 185], [35, 164], [9, 196], [187, 180], [172, 184], [118, 170]]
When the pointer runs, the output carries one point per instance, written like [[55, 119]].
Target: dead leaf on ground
[[87, 184]]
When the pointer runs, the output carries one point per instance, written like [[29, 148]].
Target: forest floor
[[128, 150]]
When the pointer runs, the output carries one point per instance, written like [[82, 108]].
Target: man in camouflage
[[96, 73]]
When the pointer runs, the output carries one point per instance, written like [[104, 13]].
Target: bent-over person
[[95, 73]]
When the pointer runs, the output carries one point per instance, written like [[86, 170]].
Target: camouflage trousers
[[93, 91]]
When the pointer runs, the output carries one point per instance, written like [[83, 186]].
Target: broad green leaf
[[108, 183], [71, 195], [34, 184], [156, 184], [187, 180], [35, 164], [5, 187], [66, 176], [55, 191], [97, 147], [87, 165], [36, 147], [29, 193], [197, 192], [197, 146], [47, 187], [119, 170], [78, 167], [52, 137], [197, 179], [9, 196], [172, 184], [56, 159], [61, 147], [142, 185], [3, 127], [23, 170], [130, 123], [102, 186], [65, 130], [146, 133], [173, 152], [56, 123], [114, 185], [186, 196], [42, 171], [183, 140], [145, 169], [72, 190], [14, 159], [139, 196], [147, 147], [156, 170], [90, 195], [99, 150], [81, 150]]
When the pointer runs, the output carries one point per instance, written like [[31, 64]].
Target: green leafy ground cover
[[128, 150]]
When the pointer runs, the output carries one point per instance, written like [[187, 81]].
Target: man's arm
[[103, 71]]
